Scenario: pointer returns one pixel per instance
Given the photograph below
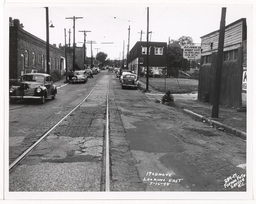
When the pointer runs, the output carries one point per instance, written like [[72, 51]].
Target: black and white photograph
[[128, 100]]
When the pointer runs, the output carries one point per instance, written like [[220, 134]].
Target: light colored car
[[34, 86], [123, 74], [78, 76], [130, 80]]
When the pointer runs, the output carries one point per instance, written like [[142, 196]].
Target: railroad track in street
[[98, 96]]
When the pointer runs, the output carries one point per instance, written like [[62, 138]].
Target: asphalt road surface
[[153, 147]]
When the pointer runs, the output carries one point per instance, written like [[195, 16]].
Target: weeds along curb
[[216, 124]]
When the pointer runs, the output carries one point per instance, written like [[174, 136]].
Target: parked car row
[[40, 86]]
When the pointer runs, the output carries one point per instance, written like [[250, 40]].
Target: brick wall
[[24, 44]]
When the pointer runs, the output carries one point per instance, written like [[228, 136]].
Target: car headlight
[[12, 90], [38, 90]]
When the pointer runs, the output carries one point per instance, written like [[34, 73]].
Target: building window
[[231, 55], [22, 60], [159, 50], [33, 59], [42, 62], [144, 50], [26, 58], [39, 59]]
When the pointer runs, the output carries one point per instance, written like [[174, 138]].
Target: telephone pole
[[47, 42], [84, 31], [74, 18], [128, 46], [215, 108], [69, 34], [141, 32], [147, 48], [66, 63]]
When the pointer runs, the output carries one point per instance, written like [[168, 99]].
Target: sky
[[109, 23]]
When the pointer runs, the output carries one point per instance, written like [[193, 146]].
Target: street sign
[[191, 52]]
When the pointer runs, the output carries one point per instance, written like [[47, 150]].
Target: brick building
[[27, 53], [234, 68], [137, 60]]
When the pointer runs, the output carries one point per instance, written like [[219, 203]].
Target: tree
[[185, 40], [101, 57], [174, 58]]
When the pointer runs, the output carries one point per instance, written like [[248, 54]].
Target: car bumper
[[25, 97], [78, 80], [130, 85]]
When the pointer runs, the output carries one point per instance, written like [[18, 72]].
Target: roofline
[[241, 19]]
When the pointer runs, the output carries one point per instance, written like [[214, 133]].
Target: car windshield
[[128, 76], [34, 78], [79, 73]]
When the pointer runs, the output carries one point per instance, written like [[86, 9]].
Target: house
[[234, 67], [137, 59], [27, 53]]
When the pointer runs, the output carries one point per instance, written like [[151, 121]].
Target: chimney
[[10, 22], [16, 22]]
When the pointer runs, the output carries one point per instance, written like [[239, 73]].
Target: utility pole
[[123, 59], [141, 32], [97, 54], [215, 108], [47, 42], [128, 45], [69, 34], [66, 63], [91, 56], [74, 42], [84, 31], [147, 48]]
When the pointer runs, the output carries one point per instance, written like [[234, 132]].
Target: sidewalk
[[229, 120]]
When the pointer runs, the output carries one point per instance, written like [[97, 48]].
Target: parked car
[[89, 73], [34, 86], [78, 76], [98, 69], [118, 72], [130, 80], [124, 73], [95, 70]]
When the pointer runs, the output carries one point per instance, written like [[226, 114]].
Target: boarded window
[[231, 55], [207, 59]]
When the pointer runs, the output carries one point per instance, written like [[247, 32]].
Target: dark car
[[130, 80], [34, 86]]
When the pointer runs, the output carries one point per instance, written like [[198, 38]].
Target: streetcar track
[[28, 150]]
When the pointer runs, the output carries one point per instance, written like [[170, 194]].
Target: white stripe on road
[[62, 86]]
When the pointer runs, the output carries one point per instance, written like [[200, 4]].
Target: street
[[152, 147]]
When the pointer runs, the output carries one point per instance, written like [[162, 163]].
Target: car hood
[[29, 84]]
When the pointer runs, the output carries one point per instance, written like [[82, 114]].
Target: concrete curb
[[217, 124]]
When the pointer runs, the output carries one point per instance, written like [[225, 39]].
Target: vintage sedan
[[34, 86], [130, 80], [78, 76]]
